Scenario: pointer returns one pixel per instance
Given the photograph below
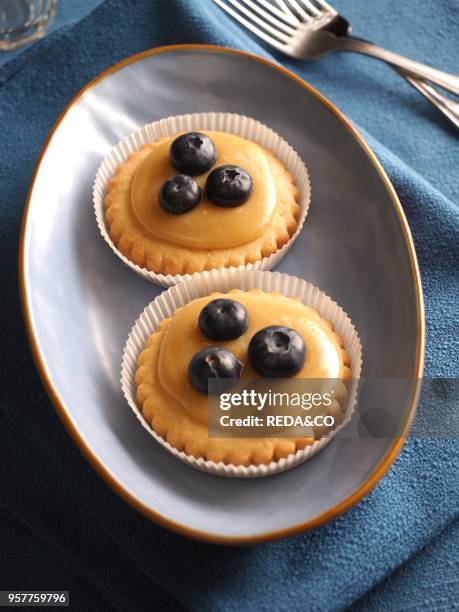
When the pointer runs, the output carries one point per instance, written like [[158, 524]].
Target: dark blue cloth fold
[[398, 548]]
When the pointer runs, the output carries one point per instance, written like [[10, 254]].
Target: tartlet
[[208, 236], [178, 413]]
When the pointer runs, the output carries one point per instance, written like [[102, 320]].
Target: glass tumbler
[[23, 21]]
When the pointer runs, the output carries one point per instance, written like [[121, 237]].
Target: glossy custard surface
[[206, 226], [183, 338]]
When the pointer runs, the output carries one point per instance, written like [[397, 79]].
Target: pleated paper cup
[[240, 125], [208, 282]]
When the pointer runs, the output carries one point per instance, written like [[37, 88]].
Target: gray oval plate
[[80, 301]]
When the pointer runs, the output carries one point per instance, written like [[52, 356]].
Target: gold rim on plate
[[63, 413]]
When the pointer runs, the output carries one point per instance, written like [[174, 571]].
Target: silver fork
[[308, 29]]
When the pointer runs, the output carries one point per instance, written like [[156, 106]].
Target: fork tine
[[324, 5], [282, 14], [285, 9], [309, 6], [299, 10], [269, 39], [288, 29], [253, 17]]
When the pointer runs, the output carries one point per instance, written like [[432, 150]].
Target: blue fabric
[[62, 526]]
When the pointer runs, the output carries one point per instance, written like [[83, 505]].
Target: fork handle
[[414, 69], [445, 105]]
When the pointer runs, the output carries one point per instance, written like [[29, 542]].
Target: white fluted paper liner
[[204, 284], [240, 125]]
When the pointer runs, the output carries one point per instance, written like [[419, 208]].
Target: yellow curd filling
[[206, 226], [182, 338]]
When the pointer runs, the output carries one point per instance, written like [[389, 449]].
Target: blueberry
[[193, 153], [277, 352], [223, 319], [229, 186], [179, 194], [214, 362]]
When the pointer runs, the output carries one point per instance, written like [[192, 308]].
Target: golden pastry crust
[[163, 257], [175, 424]]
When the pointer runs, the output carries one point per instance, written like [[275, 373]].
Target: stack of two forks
[[308, 29]]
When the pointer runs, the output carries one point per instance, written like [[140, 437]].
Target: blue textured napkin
[[398, 549]]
